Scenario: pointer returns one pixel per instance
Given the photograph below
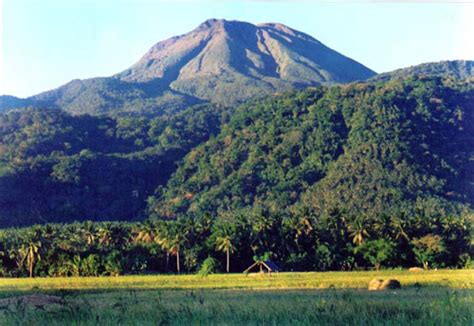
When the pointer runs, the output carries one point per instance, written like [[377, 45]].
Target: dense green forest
[[204, 244], [458, 69], [365, 151], [55, 167], [363, 175]]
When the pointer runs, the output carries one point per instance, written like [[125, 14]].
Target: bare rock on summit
[[222, 62], [235, 60], [265, 51]]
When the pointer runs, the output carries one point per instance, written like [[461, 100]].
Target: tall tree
[[30, 250], [171, 236], [224, 244]]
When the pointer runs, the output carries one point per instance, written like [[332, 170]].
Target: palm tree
[[303, 227], [89, 233], [175, 245], [399, 226], [262, 226], [163, 240], [146, 232], [68, 238], [30, 251], [105, 235], [224, 244], [119, 235], [171, 237], [359, 230]]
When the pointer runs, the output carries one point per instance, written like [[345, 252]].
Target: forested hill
[[458, 69], [354, 153], [358, 154], [55, 167]]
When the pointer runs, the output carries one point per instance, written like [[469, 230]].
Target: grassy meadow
[[443, 297]]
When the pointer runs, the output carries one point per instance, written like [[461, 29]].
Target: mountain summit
[[220, 61], [219, 54]]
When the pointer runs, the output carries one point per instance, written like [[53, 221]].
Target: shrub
[[207, 267]]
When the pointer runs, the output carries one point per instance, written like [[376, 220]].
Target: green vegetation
[[376, 251], [192, 245], [367, 151], [428, 248], [311, 176], [340, 178], [457, 69], [449, 279], [435, 297], [61, 168], [115, 97]]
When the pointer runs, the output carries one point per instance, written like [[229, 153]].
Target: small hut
[[266, 266]]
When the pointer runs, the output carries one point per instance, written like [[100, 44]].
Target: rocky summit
[[220, 56], [220, 61]]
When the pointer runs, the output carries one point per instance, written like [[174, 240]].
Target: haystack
[[379, 284]]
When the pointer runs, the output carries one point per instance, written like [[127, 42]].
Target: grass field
[[443, 297]]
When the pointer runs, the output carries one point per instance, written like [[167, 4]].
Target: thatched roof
[[268, 265]]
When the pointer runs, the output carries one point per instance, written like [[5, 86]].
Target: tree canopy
[[370, 174]]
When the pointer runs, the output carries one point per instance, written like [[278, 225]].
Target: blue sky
[[46, 43]]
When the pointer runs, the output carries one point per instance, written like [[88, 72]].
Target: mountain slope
[[402, 147], [221, 57], [114, 96], [458, 69], [7, 101], [368, 150], [55, 167], [224, 62]]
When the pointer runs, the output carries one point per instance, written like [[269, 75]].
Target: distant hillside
[[114, 96], [55, 167], [456, 69], [365, 150], [7, 101], [403, 147], [223, 62]]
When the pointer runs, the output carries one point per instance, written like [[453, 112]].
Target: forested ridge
[[369, 149], [459, 69], [363, 175], [60, 168]]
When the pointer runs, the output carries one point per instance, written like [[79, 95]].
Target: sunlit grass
[[339, 280], [443, 297]]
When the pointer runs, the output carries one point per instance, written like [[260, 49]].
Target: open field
[[443, 297]]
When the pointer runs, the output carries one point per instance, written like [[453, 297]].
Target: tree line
[[224, 244]]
